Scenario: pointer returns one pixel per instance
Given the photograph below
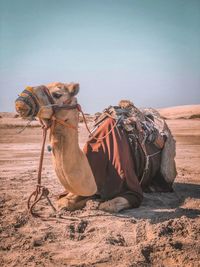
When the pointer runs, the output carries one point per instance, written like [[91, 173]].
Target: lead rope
[[28, 123], [40, 191], [91, 134]]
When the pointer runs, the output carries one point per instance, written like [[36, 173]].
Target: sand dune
[[181, 112]]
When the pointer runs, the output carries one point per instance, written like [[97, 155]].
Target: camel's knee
[[115, 204]]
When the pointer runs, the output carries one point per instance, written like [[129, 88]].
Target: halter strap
[[54, 120], [66, 106], [66, 124]]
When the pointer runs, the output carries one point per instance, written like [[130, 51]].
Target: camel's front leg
[[72, 202], [115, 205]]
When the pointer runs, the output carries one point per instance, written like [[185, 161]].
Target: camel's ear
[[73, 88]]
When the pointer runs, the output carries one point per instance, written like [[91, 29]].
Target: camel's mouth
[[27, 104]]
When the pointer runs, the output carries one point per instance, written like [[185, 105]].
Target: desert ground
[[164, 231]]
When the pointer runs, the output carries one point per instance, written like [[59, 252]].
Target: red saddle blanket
[[112, 165]]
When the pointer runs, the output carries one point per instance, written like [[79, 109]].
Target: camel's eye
[[56, 95]]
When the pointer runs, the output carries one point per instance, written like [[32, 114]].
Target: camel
[[95, 171]]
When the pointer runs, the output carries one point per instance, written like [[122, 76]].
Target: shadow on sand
[[159, 207]]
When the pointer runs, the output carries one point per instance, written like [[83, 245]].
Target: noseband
[[29, 98]]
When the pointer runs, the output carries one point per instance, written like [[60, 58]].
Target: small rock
[[177, 245], [117, 240], [37, 242], [146, 252], [76, 230], [21, 220], [82, 226]]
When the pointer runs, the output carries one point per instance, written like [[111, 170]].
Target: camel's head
[[42, 101]]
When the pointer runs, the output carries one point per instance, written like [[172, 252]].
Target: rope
[[40, 190], [147, 163], [91, 134], [142, 144], [28, 123], [66, 124]]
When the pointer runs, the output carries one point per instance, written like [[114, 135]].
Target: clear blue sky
[[144, 50]]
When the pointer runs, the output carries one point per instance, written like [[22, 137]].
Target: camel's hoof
[[108, 206], [115, 205], [64, 203], [72, 203]]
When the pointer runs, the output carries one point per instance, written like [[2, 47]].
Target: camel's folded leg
[[72, 202], [115, 205]]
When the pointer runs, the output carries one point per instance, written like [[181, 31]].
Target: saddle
[[138, 124], [144, 126]]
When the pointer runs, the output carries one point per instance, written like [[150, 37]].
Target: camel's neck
[[70, 162], [68, 139]]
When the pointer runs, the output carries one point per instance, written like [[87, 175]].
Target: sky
[[147, 51]]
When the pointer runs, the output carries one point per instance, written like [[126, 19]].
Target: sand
[[164, 231], [181, 112]]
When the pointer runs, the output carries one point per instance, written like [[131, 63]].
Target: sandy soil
[[164, 231]]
